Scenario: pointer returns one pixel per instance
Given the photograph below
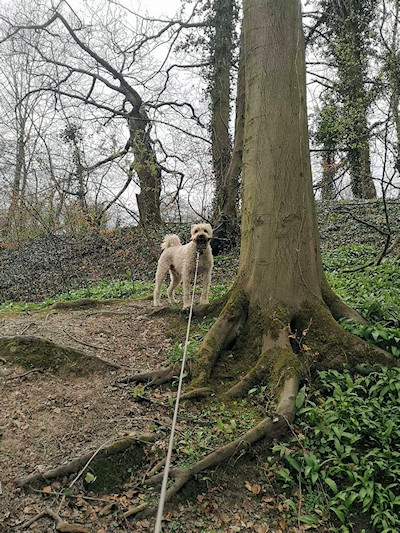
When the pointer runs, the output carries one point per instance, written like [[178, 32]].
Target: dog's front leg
[[206, 287]]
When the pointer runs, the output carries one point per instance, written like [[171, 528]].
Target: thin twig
[[25, 374], [86, 343]]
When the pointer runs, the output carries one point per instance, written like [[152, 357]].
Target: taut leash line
[[175, 417]]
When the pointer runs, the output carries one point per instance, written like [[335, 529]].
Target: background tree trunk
[[221, 87], [146, 167], [348, 25], [328, 187], [226, 216]]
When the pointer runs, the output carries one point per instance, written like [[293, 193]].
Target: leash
[[175, 417]]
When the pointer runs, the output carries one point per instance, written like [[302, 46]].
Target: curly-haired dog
[[180, 261]]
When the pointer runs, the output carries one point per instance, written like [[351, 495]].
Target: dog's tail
[[170, 240]]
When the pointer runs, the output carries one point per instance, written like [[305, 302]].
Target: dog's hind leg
[[175, 280], [160, 275]]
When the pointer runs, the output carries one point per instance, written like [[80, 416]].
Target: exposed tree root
[[269, 428], [331, 346], [113, 448], [155, 377], [199, 310], [338, 308], [61, 525], [21, 376], [83, 303], [135, 510], [203, 392], [282, 355], [219, 337]]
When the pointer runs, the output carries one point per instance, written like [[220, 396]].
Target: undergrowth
[[342, 464], [106, 290], [373, 292]]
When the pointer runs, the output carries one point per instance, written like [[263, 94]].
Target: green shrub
[[373, 292]]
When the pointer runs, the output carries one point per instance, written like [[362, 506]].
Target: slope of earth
[[48, 419], [53, 264]]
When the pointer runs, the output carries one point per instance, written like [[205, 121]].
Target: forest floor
[[47, 419]]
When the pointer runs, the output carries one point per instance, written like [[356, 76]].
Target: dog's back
[[170, 240]]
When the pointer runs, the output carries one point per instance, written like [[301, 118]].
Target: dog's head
[[201, 235]]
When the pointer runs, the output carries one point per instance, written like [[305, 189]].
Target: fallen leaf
[[255, 489], [268, 499], [29, 510], [47, 490]]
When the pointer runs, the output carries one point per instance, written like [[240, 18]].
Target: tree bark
[[227, 193], [279, 257], [349, 29], [328, 188]]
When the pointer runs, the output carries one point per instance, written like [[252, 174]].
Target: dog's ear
[[209, 229]]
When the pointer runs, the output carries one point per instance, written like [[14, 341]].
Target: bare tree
[[106, 66], [24, 118]]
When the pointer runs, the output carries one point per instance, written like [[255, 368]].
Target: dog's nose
[[202, 238]]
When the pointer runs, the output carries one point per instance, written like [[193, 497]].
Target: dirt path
[[47, 420]]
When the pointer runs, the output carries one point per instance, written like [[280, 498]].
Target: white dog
[[180, 261]]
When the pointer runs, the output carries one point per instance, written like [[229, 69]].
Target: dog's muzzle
[[201, 241]]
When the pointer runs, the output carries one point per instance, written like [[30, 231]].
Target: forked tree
[[279, 319]]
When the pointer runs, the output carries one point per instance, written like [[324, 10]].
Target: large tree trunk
[[279, 253], [281, 294]]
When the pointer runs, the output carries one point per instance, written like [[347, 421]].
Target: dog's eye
[[196, 230]]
